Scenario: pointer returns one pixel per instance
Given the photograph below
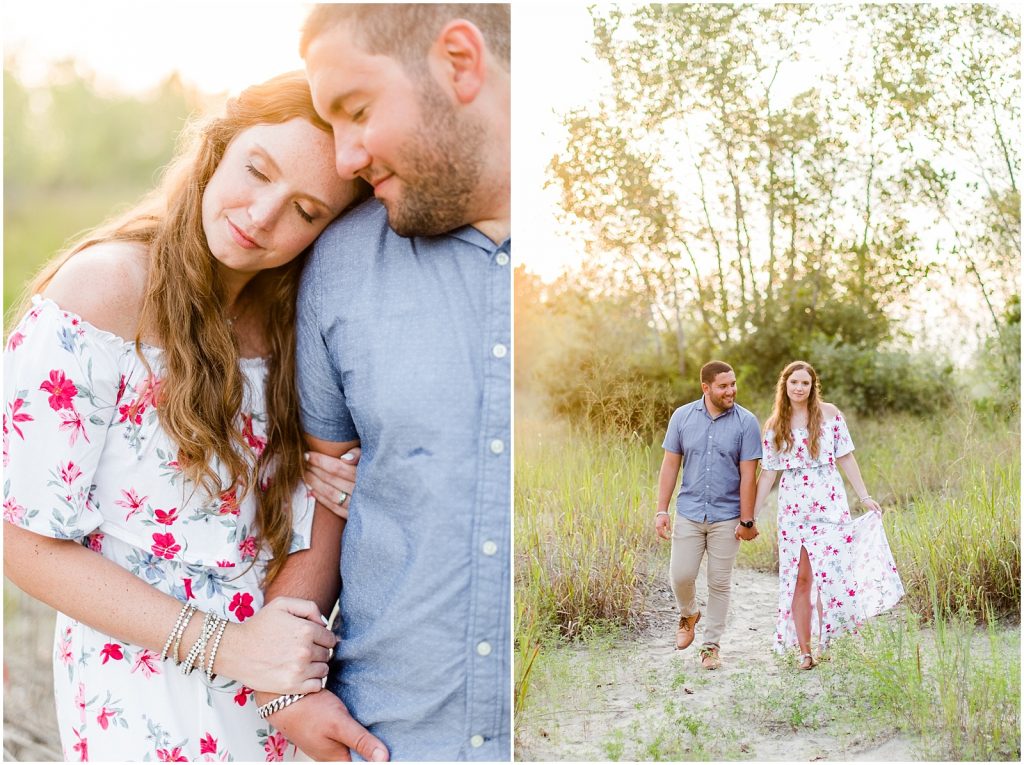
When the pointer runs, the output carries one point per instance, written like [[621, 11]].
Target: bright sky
[[219, 46]]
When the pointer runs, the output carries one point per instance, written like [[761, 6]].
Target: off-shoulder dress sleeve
[[842, 443], [61, 385], [770, 459]]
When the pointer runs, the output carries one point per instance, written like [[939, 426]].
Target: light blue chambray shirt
[[712, 449], [404, 343]]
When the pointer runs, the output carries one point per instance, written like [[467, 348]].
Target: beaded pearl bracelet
[[199, 647], [221, 626], [276, 705], [174, 639]]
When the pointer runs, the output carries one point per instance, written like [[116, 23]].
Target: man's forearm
[[314, 574], [748, 489], [667, 482]]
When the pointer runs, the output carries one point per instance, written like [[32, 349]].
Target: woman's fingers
[[335, 498]]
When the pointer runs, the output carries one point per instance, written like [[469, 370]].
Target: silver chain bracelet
[[276, 705]]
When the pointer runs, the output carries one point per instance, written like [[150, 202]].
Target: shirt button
[[477, 741], [501, 258], [490, 547], [497, 446], [483, 648], [500, 351]]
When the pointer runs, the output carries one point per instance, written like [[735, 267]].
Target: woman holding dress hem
[[827, 559], [152, 447]]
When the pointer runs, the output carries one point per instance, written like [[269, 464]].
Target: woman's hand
[[332, 479], [284, 648], [873, 506]]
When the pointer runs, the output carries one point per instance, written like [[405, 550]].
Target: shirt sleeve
[[770, 459], [842, 444], [750, 446], [60, 394], [325, 413], [671, 442]]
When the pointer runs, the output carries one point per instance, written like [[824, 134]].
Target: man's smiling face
[[400, 133]]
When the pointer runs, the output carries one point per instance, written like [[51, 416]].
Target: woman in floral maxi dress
[[152, 449], [827, 558]]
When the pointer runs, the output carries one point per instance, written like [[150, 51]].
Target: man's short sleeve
[[672, 442], [750, 446], [325, 413]]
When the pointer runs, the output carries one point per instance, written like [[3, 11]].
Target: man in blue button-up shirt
[[718, 443], [404, 329]]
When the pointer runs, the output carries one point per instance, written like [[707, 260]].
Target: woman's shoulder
[[104, 284], [830, 412]]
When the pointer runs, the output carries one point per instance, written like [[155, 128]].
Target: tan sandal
[[806, 661]]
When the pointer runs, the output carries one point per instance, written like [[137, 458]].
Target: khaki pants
[[690, 540]]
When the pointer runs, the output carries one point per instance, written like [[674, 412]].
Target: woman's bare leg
[[802, 602]]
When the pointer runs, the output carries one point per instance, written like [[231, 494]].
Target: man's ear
[[459, 54]]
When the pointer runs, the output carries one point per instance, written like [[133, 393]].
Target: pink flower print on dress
[[17, 416], [225, 564], [171, 755], [166, 517], [148, 662], [256, 443], [95, 542], [247, 548], [132, 412], [229, 502], [131, 501], [80, 700], [61, 390], [103, 718], [72, 421], [82, 747], [15, 340], [241, 604], [13, 512], [70, 473], [164, 546], [275, 746], [64, 648], [243, 696], [208, 744], [188, 589], [111, 651]]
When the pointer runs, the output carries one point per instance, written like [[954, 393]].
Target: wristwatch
[[747, 524]]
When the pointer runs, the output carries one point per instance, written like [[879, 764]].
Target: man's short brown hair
[[711, 370], [406, 31]]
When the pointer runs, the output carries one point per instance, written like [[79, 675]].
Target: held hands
[[321, 726], [332, 479], [746, 535], [663, 525], [284, 648]]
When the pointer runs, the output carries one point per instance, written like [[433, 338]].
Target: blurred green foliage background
[[74, 155]]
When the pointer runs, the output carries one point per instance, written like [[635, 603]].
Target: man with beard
[[404, 329], [718, 443]]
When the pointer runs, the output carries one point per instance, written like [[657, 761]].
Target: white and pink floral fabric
[[854, 573], [85, 459]]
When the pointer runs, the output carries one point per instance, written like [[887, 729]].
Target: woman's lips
[[241, 239]]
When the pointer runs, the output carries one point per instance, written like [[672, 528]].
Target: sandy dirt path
[[643, 700]]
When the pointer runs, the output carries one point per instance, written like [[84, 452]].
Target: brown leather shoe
[[686, 631], [709, 656]]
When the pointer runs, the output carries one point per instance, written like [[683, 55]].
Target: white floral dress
[[854, 573], [85, 458]]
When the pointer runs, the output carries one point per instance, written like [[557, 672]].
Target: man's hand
[[663, 525], [745, 534], [321, 726]]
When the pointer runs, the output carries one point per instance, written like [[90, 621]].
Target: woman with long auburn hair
[[153, 452], [835, 570]]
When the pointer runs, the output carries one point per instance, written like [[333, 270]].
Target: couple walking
[[835, 571]]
